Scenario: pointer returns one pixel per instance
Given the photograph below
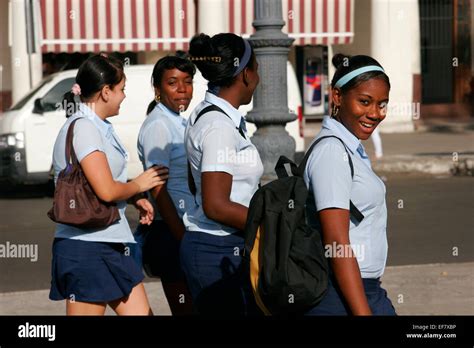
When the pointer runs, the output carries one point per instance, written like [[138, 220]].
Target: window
[[54, 97], [27, 97]]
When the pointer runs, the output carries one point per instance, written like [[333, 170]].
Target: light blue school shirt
[[161, 142], [214, 144], [91, 133], [328, 176]]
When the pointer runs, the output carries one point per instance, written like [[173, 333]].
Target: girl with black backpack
[[226, 169], [357, 250]]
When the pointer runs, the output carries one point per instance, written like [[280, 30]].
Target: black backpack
[[284, 255]]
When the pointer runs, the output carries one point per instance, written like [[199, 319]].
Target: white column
[[395, 43], [415, 49], [26, 69], [213, 16]]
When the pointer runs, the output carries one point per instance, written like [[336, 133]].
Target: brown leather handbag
[[75, 202]]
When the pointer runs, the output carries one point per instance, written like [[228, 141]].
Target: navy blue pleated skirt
[[92, 271]]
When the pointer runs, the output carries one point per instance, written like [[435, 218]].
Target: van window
[[54, 97], [27, 97]]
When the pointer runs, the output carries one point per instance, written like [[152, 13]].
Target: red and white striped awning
[[310, 22], [117, 25]]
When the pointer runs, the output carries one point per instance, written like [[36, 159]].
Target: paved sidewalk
[[433, 289], [434, 150], [37, 302]]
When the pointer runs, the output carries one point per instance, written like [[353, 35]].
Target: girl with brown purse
[[92, 266]]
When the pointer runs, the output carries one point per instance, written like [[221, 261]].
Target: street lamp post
[[270, 102]]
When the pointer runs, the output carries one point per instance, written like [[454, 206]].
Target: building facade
[[425, 46]]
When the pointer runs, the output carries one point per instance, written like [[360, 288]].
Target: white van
[[29, 129]]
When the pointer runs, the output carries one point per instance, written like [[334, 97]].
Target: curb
[[427, 165]]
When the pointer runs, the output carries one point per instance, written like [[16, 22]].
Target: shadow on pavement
[[26, 191]]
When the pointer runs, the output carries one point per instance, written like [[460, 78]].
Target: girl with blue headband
[[339, 177], [225, 170]]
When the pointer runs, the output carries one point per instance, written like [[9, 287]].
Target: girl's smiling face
[[117, 96], [363, 107]]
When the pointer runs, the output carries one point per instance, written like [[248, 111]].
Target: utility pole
[[270, 102]]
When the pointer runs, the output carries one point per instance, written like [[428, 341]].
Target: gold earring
[[335, 110], [157, 98]]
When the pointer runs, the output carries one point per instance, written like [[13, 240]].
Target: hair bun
[[201, 46], [215, 57], [339, 59], [203, 53]]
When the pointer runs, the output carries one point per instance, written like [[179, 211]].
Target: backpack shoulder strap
[[207, 109], [304, 162], [213, 107], [191, 184], [352, 208]]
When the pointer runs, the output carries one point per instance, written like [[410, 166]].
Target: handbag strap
[[70, 153]]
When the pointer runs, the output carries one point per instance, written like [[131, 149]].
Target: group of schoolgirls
[[194, 201]]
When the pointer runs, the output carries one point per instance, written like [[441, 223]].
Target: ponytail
[[93, 74], [151, 106], [69, 104]]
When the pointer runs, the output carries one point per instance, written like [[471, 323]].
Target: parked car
[[29, 128]]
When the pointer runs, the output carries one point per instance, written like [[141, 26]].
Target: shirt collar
[[175, 117], [104, 126], [166, 110], [342, 132], [233, 113]]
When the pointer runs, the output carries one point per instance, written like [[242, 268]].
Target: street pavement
[[415, 287], [432, 289]]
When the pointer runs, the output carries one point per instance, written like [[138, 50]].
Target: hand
[[146, 211], [152, 177]]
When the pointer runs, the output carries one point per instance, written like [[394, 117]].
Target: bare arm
[[216, 188], [168, 211], [335, 226], [97, 171]]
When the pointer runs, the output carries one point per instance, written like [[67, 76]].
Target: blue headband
[[245, 58], [349, 76]]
